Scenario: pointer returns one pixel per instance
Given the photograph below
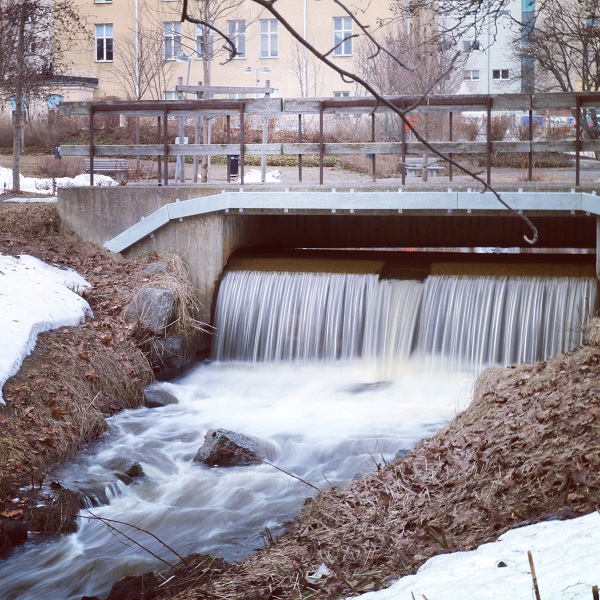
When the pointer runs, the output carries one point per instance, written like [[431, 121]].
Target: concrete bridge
[[206, 225]]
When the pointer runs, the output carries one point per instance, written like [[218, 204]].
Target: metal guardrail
[[352, 203]]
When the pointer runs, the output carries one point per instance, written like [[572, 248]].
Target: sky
[[37, 297]]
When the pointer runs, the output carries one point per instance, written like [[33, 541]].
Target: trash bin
[[234, 165]]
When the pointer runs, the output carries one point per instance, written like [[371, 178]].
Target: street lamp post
[[263, 156], [180, 164], [257, 70]]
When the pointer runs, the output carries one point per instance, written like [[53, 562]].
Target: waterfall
[[454, 322]]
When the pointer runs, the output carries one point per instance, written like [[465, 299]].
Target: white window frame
[[210, 42], [172, 39], [103, 1], [472, 75], [236, 30], [104, 34], [269, 38], [170, 95], [342, 94], [500, 74], [342, 32], [469, 45]]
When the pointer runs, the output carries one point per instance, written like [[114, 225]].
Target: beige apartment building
[[139, 48]]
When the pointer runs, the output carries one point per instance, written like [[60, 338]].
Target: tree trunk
[[18, 114], [206, 125]]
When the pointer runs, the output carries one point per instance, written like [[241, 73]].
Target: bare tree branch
[[348, 76]]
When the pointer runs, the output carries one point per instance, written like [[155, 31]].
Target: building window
[[269, 38], [342, 36], [104, 42], [102, 1], [236, 30], [172, 38], [344, 94], [210, 41], [592, 21], [500, 74], [472, 74], [169, 95], [470, 45]]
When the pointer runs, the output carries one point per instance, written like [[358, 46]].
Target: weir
[[205, 226], [330, 364], [451, 323]]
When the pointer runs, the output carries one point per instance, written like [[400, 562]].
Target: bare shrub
[[466, 129], [558, 132], [6, 133], [500, 127], [48, 166]]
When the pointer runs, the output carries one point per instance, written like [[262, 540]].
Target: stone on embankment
[[223, 448], [135, 587], [12, 534], [157, 267], [127, 467], [153, 308], [156, 397], [170, 355]]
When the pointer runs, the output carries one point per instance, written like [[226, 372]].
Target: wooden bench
[[118, 166], [414, 166]]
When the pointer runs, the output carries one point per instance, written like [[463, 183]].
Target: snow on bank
[[566, 556], [44, 185], [34, 297], [254, 176]]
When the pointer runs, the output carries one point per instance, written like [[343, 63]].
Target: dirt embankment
[[76, 375]]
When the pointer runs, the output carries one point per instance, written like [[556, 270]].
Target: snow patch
[[34, 297], [44, 185], [253, 176], [566, 555]]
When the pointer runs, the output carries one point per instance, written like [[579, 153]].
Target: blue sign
[[54, 100]]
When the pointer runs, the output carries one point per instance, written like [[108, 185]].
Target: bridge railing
[[529, 105]]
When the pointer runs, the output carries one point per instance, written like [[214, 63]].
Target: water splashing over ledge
[[455, 322]]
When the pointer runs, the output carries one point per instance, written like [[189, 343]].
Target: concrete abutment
[[215, 225]]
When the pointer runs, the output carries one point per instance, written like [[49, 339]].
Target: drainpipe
[[304, 58], [137, 50]]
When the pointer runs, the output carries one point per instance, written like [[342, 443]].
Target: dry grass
[[76, 376]]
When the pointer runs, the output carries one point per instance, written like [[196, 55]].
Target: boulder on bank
[[157, 267], [157, 397], [136, 587], [12, 534], [170, 355], [200, 568], [126, 467], [223, 448], [153, 308]]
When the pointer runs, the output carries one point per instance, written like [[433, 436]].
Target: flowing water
[[333, 373]]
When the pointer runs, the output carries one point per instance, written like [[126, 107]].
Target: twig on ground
[[536, 589]]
